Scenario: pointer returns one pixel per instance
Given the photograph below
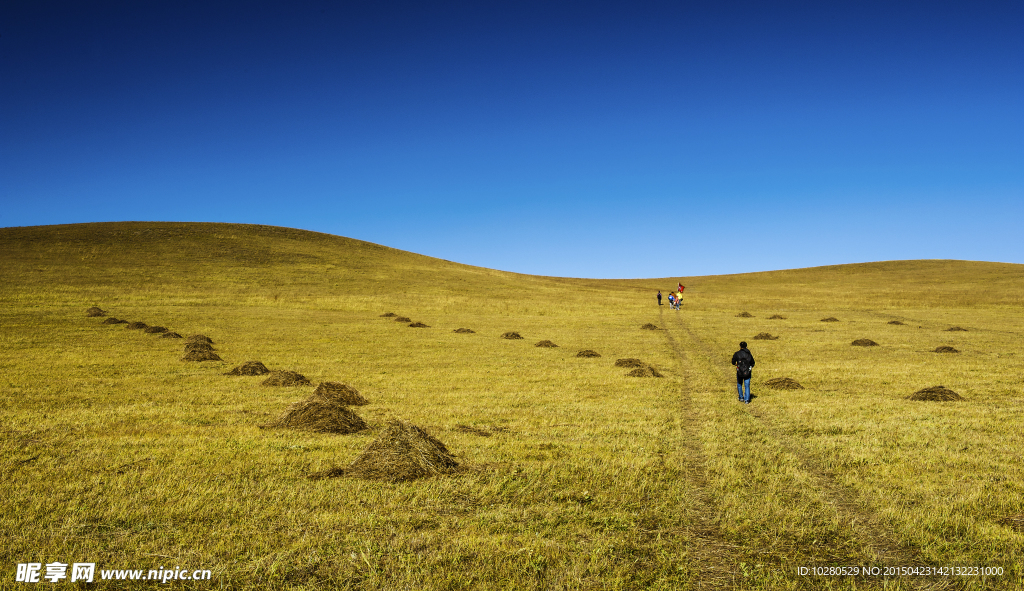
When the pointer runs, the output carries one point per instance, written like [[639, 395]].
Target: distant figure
[[744, 362], [681, 288], [671, 301], [659, 297]]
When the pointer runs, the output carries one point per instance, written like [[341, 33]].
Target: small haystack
[[113, 320], [935, 394], [190, 346], [155, 329], [388, 315], [644, 372], [776, 317], [201, 356], [649, 326], [588, 353], [136, 325], [864, 343], [285, 378], [464, 331], [546, 344], [629, 362], [402, 319], [418, 325], [200, 338], [249, 368], [170, 335], [93, 312], [338, 393], [830, 319], [956, 329], [896, 323], [946, 349], [402, 452], [744, 315], [784, 384], [764, 336], [320, 416], [511, 335]]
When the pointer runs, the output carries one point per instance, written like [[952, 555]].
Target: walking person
[[659, 297], [744, 363]]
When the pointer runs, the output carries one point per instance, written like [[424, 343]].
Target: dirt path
[[869, 528], [714, 555]]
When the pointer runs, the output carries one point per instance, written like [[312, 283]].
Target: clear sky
[[587, 139]]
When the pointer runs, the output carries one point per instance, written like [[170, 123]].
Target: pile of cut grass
[[935, 394], [546, 344], [864, 343], [630, 362], [285, 378], [464, 331], [764, 336], [201, 356], [588, 353], [320, 416], [946, 349], [783, 384], [402, 452], [830, 319], [191, 346], [95, 311], [249, 368], [338, 393], [744, 315], [511, 336]]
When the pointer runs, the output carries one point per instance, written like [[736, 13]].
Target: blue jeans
[[739, 389]]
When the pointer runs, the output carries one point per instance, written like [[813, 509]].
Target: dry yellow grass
[[572, 475]]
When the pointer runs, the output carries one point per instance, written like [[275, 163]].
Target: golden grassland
[[114, 451]]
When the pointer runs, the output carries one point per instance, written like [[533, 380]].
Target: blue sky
[[587, 139]]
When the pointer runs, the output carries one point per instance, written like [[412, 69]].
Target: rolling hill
[[571, 473]]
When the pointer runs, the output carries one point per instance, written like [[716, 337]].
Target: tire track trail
[[870, 529], [713, 554]]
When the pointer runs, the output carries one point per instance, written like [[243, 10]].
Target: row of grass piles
[[834, 319], [402, 451], [197, 347], [932, 394]]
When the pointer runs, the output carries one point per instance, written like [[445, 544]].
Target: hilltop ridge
[[190, 255]]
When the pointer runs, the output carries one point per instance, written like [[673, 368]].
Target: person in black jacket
[[744, 362], [659, 297]]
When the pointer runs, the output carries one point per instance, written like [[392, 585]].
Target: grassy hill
[[574, 475]]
